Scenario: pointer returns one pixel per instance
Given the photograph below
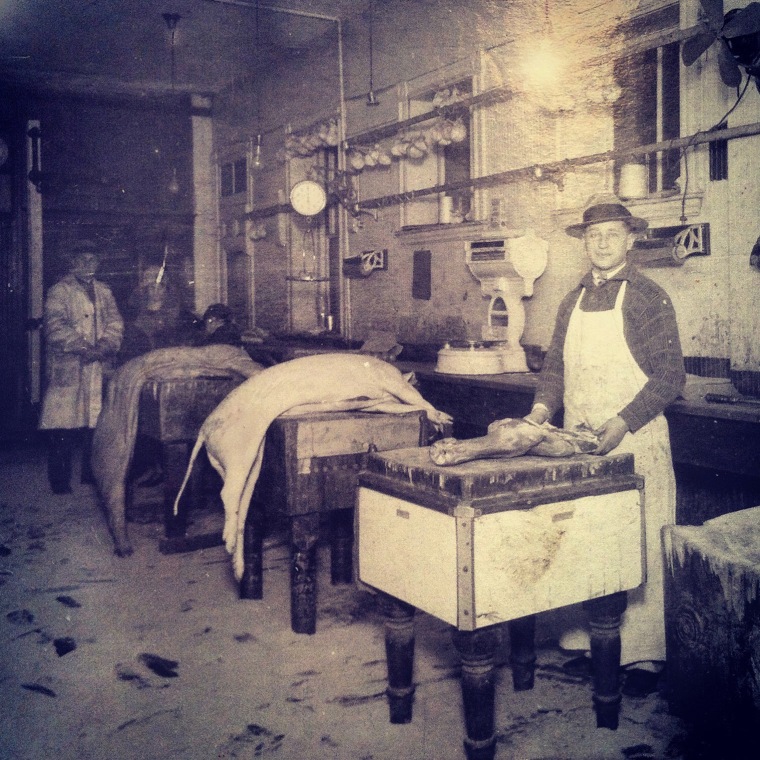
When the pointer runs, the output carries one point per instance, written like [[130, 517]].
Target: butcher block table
[[310, 467], [489, 542], [712, 630], [172, 412]]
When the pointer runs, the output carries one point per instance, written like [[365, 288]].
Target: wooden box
[[175, 410], [311, 461], [712, 626], [494, 540]]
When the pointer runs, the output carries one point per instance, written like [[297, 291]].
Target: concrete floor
[[244, 685]]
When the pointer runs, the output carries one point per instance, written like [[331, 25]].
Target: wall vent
[[479, 251]]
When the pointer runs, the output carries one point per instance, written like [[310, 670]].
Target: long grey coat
[[74, 388]]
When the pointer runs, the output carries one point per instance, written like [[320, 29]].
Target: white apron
[[601, 378]]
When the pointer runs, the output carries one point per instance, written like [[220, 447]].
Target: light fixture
[[371, 97], [257, 153], [171, 20], [173, 182], [544, 65]]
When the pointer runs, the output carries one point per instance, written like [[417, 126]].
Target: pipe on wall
[[345, 291]]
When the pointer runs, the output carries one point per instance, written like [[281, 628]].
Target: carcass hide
[[115, 434], [234, 432]]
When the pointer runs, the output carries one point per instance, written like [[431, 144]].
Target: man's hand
[[538, 414], [610, 434]]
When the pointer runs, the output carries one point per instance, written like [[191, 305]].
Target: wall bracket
[[671, 246]]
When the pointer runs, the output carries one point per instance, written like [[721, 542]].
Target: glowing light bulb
[[173, 183], [545, 66]]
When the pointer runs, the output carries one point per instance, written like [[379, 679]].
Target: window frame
[[664, 168], [411, 97]]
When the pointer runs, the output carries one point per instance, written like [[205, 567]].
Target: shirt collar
[[620, 273]]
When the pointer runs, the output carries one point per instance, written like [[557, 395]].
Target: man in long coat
[[83, 327]]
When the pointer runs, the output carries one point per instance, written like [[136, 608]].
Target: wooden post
[[477, 650], [252, 582], [604, 621], [399, 653], [522, 658], [341, 546], [303, 573]]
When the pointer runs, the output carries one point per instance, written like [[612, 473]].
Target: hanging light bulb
[[371, 97], [173, 183], [171, 20], [545, 65], [257, 152]]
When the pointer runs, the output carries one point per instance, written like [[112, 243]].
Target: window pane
[[457, 163], [671, 114], [226, 180], [240, 176]]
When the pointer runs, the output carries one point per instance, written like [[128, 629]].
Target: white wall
[[713, 295]]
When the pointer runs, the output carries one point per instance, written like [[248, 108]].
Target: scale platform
[[480, 359]]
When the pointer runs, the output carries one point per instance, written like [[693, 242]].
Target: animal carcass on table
[[116, 431], [513, 438], [234, 432]]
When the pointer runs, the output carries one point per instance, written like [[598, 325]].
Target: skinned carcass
[[513, 438], [234, 432]]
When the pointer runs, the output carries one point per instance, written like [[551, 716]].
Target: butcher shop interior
[[380, 379]]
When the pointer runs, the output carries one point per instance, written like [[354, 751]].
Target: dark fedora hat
[[607, 211], [218, 311]]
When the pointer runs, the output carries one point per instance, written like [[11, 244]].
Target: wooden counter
[[716, 447]]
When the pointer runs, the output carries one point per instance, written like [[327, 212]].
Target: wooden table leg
[[477, 650], [399, 653], [522, 658], [303, 573], [252, 582], [341, 545], [604, 621]]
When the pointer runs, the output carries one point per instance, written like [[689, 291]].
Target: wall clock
[[308, 197]]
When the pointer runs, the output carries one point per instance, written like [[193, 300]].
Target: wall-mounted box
[[671, 246]]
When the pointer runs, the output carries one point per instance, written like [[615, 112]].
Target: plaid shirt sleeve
[[652, 333]]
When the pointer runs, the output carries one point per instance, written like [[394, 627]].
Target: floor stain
[[159, 665], [256, 737], [148, 718], [64, 645], [20, 617], [349, 700], [126, 674], [68, 601], [39, 689]]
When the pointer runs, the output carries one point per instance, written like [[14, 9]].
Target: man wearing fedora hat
[[614, 363], [83, 327]]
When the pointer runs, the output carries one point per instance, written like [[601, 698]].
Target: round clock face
[[308, 197]]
